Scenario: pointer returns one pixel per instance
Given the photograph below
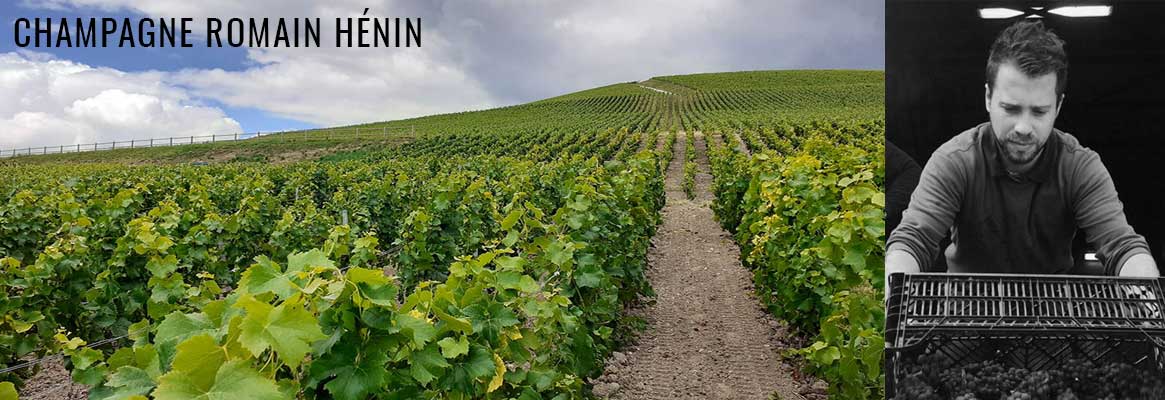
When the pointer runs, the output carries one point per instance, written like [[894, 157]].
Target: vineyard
[[484, 254]]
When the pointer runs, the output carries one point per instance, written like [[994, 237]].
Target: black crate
[[1026, 321]]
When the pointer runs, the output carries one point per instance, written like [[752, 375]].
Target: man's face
[[1023, 110]]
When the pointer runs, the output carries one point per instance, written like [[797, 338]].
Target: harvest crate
[[1026, 321]]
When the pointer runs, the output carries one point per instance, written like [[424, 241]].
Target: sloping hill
[[681, 102]]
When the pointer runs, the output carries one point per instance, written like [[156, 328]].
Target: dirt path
[[707, 337], [53, 382]]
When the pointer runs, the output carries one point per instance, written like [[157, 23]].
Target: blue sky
[[146, 59], [475, 55]]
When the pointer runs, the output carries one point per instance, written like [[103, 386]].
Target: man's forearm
[[899, 261], [1138, 265]]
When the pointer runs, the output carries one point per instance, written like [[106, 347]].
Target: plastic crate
[[1027, 321]]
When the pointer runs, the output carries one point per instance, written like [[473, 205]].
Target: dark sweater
[[1021, 224]]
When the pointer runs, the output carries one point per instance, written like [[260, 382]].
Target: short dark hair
[[1034, 49]]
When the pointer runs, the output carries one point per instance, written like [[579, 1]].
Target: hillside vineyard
[[486, 254]]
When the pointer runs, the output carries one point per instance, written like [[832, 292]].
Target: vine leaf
[[287, 329]]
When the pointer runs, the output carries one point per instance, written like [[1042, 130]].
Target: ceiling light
[[1034, 16], [1082, 11], [998, 13]]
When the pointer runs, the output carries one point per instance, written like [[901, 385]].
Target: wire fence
[[353, 133]]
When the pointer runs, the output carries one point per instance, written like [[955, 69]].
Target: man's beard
[[1020, 152]]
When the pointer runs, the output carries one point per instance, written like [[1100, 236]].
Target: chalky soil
[[707, 335]]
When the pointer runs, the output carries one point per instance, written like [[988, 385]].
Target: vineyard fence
[[276, 137]]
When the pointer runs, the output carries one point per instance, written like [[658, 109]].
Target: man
[[1013, 191]]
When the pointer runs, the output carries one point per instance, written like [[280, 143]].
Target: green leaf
[[86, 357], [313, 258], [357, 371], [490, 319], [451, 348], [90, 376], [378, 318], [511, 219], [872, 358], [427, 364], [146, 357], [131, 381], [827, 355], [507, 263], [589, 275], [480, 363], [7, 391], [234, 380], [469, 372], [288, 329], [180, 326], [139, 332], [510, 239], [198, 360], [584, 355], [162, 266], [509, 279], [848, 367], [288, 388], [453, 324], [374, 286], [560, 252], [120, 358], [267, 276], [419, 330], [854, 257], [527, 284]]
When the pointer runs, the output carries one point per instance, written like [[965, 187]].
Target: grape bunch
[[931, 378]]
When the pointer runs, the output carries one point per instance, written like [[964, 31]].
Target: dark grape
[[934, 377]]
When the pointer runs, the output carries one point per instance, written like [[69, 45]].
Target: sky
[[474, 55]]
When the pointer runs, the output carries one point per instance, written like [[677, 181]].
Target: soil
[[53, 382], [707, 337]]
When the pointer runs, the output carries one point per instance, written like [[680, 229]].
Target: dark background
[[936, 56]]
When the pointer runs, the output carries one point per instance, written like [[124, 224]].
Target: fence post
[[236, 136], [191, 139], [151, 142], [171, 140]]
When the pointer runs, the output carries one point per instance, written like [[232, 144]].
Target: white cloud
[[475, 55], [59, 102], [328, 85]]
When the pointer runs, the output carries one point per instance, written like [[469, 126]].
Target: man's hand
[[898, 261], [1141, 265]]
